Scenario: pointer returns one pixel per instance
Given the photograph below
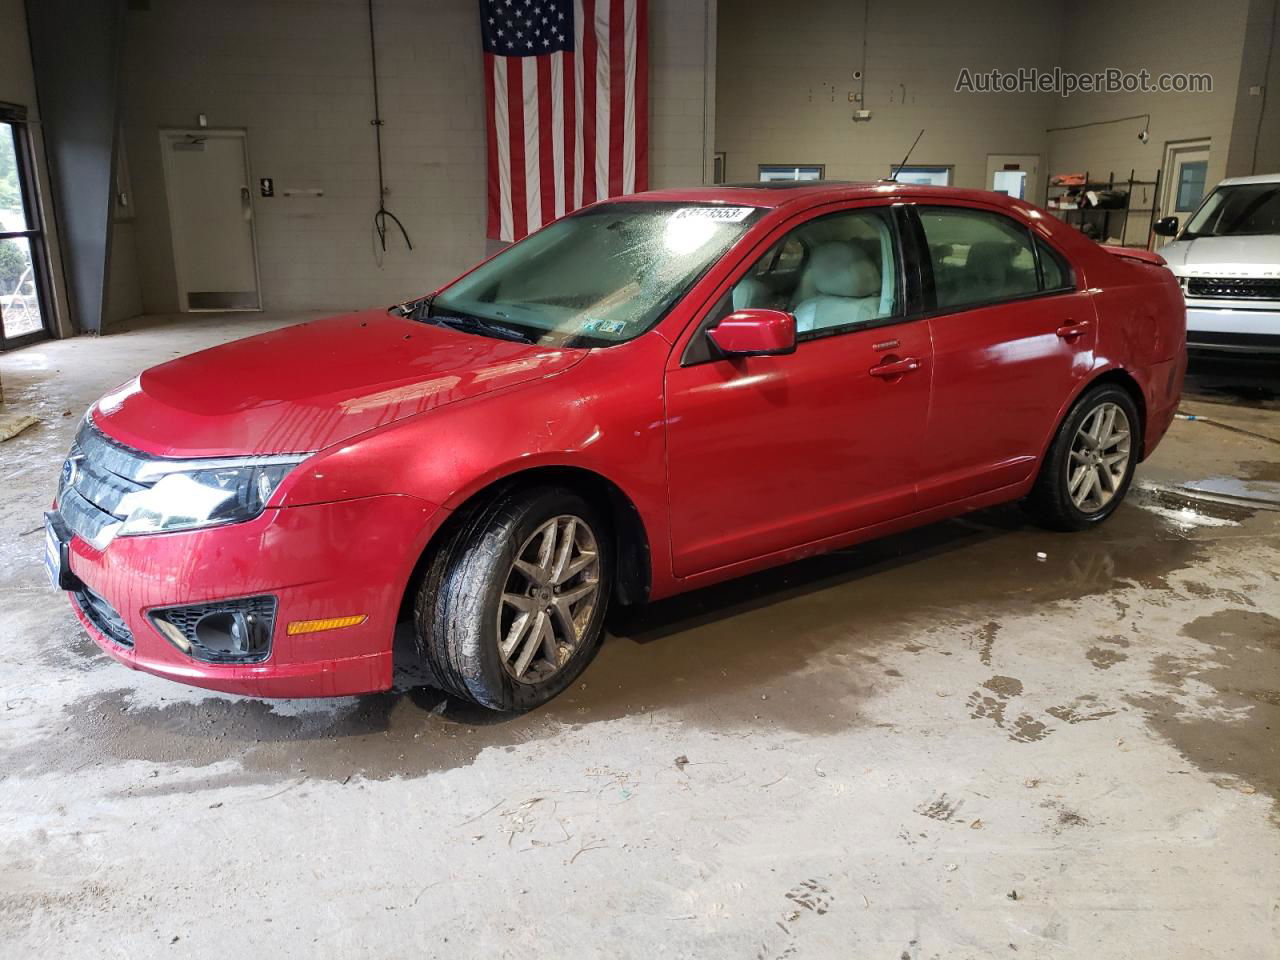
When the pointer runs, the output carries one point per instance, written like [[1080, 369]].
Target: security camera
[[1144, 136], [857, 75]]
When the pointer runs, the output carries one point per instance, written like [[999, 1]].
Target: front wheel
[[1090, 463], [512, 609]]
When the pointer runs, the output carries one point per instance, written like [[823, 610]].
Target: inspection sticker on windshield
[[719, 214], [606, 326]]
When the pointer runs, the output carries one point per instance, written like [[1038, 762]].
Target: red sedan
[[645, 397]]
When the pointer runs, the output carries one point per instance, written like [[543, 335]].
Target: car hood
[[1253, 256], [306, 387]]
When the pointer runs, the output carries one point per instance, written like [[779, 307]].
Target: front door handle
[[1069, 331], [895, 368]]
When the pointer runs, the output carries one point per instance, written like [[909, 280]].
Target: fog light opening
[[232, 634], [224, 631]]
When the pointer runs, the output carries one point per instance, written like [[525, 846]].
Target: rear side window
[[1053, 269], [977, 257]]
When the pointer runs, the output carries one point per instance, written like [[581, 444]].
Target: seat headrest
[[840, 270], [749, 292], [990, 258]]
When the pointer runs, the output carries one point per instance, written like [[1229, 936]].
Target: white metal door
[[1186, 163], [211, 218], [1017, 175]]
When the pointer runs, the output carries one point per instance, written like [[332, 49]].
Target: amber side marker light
[[332, 623]]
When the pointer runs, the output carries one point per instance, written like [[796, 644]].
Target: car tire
[[491, 573], [1072, 465]]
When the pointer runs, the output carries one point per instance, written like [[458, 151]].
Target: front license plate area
[[57, 562]]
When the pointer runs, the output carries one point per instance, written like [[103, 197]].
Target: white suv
[[1227, 260]]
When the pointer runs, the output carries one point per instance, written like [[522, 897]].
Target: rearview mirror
[[755, 333], [1166, 226]]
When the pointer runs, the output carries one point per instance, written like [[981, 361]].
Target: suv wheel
[[1090, 464], [511, 610]]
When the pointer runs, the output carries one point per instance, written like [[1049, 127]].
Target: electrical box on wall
[[861, 115]]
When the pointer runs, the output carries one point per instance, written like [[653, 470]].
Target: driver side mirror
[[1166, 226], [755, 333]]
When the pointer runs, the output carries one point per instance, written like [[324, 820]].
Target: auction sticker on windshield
[[721, 214]]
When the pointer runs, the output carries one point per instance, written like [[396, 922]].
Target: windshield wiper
[[418, 309], [470, 324]]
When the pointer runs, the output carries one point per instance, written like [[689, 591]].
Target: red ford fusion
[[647, 396]]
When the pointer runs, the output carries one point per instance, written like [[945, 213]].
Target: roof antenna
[[893, 177]]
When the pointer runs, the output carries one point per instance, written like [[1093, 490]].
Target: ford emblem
[[70, 469]]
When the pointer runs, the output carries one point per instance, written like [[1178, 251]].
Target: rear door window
[[977, 257]]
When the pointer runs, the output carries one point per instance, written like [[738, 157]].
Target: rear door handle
[[1069, 331], [895, 368]]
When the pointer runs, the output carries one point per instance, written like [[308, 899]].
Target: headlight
[[204, 493]]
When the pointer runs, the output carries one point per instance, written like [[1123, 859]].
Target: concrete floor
[[976, 740]]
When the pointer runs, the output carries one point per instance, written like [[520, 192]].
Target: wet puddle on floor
[[732, 657], [1233, 731]]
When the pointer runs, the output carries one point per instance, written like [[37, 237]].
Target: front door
[[1186, 166], [767, 454], [1013, 330], [211, 217]]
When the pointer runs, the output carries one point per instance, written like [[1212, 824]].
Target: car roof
[[1258, 178], [810, 192]]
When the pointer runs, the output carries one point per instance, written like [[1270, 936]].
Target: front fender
[[605, 415]]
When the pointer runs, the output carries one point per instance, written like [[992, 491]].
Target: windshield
[[1246, 209], [599, 277]]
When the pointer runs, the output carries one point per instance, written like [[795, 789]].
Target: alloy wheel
[[1099, 460], [549, 598]]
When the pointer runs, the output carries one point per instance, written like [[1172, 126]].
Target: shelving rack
[[1114, 222]]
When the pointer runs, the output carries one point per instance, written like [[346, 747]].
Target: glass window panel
[[12, 214], [1056, 274], [1191, 185], [834, 272], [19, 292], [783, 171], [932, 176], [977, 257]]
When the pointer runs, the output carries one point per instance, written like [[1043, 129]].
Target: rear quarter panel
[[1142, 330]]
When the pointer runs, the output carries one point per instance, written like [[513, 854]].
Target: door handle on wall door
[[1070, 330], [246, 203], [894, 368]]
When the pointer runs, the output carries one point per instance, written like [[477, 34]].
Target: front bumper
[[1233, 328], [320, 561]]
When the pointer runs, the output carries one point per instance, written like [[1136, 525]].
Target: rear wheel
[[511, 610], [1090, 463]]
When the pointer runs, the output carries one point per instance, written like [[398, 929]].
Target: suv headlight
[[205, 493]]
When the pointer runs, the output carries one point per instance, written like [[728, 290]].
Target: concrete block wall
[[785, 73], [1173, 36], [296, 76]]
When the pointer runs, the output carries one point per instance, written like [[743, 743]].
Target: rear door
[[770, 453], [1013, 333]]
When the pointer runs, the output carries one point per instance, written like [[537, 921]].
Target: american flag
[[567, 99]]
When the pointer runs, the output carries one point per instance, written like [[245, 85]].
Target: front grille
[[103, 616], [1234, 288], [103, 474]]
